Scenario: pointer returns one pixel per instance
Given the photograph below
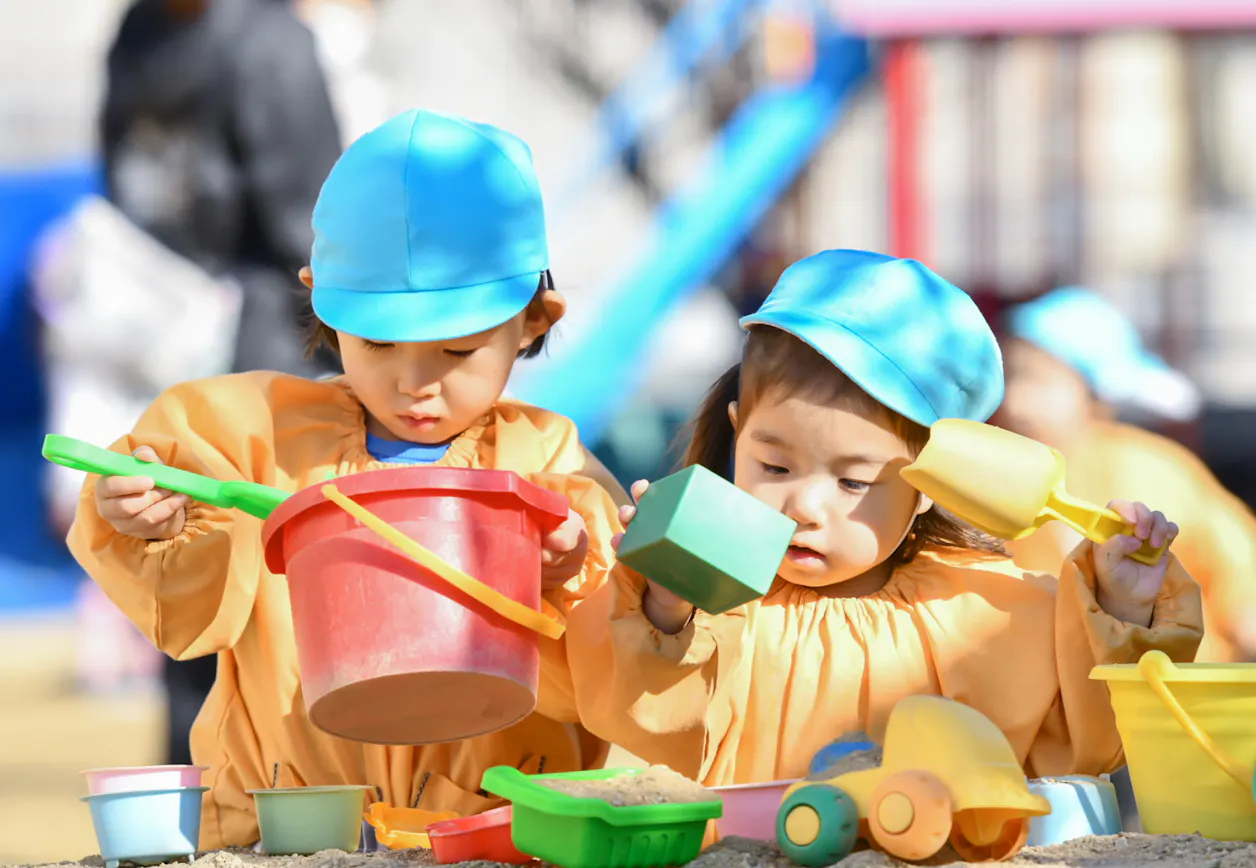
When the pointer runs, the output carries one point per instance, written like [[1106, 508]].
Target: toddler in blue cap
[[846, 365], [1072, 359], [430, 277]]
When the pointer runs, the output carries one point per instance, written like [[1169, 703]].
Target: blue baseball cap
[[914, 342], [429, 227], [1093, 337]]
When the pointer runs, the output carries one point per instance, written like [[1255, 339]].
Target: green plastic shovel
[[251, 497]]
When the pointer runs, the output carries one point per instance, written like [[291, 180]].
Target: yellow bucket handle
[[511, 610], [1153, 666]]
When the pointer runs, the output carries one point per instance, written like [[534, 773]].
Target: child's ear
[[307, 277], [541, 315], [924, 505], [732, 413]]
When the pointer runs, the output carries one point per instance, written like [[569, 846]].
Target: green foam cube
[[706, 540]]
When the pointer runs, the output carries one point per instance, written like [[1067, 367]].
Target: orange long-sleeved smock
[[208, 591], [1217, 540], [751, 695]]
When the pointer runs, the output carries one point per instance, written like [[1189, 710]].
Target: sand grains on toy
[[855, 760], [656, 785]]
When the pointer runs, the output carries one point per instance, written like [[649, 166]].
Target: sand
[[855, 761], [1120, 851], [656, 785]]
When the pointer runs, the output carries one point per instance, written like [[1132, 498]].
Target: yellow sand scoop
[[1008, 485]]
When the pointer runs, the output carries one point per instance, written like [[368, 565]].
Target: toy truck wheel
[[910, 815], [817, 825], [1011, 838]]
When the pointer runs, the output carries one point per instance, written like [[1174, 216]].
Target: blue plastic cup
[[147, 827], [1081, 805]]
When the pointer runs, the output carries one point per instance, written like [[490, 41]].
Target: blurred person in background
[[1071, 359], [217, 132], [344, 31]]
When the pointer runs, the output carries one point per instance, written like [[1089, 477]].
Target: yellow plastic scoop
[[403, 828], [1008, 485]]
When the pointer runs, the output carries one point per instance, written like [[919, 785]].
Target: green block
[[706, 540]]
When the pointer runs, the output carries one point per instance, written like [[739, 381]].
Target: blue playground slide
[[703, 32], [762, 150]]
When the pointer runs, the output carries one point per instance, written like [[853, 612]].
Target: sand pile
[[1120, 851]]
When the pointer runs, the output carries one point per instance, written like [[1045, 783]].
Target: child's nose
[[418, 386], [806, 502]]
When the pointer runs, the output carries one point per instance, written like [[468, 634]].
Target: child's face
[[431, 392], [835, 471], [1044, 399]]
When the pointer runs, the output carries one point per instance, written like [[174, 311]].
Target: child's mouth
[[805, 557], [420, 423]]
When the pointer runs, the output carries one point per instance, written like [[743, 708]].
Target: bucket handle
[[1153, 666], [511, 610]]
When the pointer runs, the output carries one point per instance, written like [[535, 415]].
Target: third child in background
[[1071, 358]]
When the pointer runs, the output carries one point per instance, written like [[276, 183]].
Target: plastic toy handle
[[511, 610], [1099, 525], [1153, 666], [79, 455]]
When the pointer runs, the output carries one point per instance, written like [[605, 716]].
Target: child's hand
[[1126, 589], [563, 552], [135, 507], [665, 610]]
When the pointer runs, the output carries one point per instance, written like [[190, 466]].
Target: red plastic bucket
[[390, 653]]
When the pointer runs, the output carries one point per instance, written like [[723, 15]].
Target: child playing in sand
[[882, 595], [430, 277]]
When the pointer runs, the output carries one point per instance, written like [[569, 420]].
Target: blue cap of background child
[[1091, 335], [914, 342], [429, 227]]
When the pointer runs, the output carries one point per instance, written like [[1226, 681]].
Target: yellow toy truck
[[947, 774]]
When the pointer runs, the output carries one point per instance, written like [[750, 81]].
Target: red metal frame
[[902, 106]]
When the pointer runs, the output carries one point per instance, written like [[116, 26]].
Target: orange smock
[[751, 695], [207, 591], [1217, 539]]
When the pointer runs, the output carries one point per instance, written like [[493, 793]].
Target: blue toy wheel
[[817, 825]]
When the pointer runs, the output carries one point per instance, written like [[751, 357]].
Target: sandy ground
[[1124, 851], [48, 733]]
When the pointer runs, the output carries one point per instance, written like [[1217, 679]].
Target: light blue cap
[[914, 342], [429, 227], [1091, 335]]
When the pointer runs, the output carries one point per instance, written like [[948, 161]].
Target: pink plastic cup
[[750, 809], [141, 778]]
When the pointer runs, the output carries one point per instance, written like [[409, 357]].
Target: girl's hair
[[318, 334], [775, 361]]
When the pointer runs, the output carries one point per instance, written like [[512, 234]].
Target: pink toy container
[[750, 809], [141, 778]]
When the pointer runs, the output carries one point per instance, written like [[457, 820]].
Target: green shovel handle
[[78, 455]]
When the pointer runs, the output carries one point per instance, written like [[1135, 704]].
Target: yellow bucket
[[1190, 740]]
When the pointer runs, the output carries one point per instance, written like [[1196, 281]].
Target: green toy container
[[705, 539], [301, 821], [591, 833]]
